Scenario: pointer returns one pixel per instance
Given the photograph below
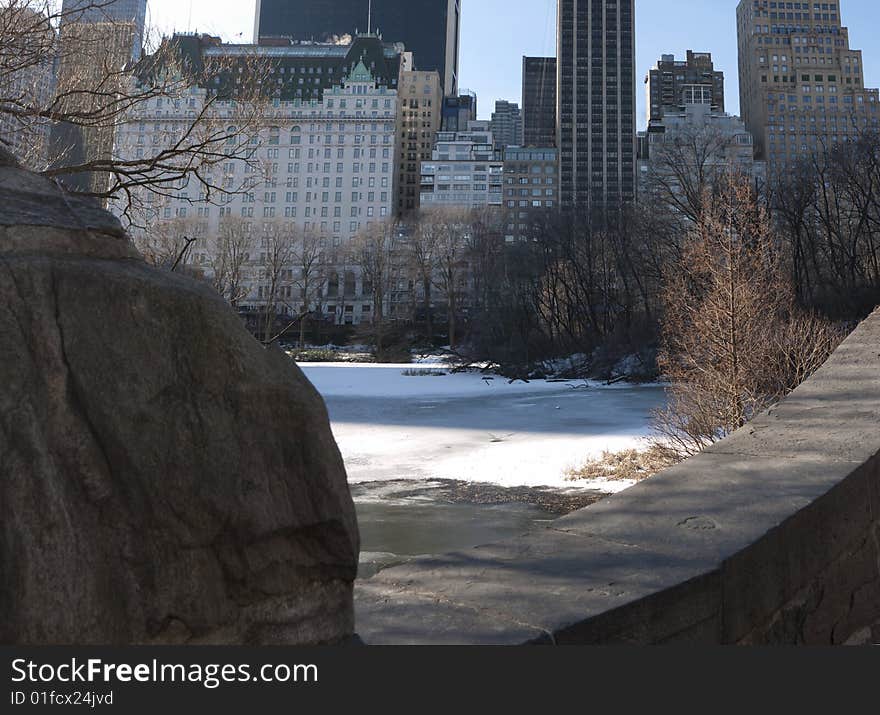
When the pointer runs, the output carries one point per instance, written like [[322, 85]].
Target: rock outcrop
[[163, 477]]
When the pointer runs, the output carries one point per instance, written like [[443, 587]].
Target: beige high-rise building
[[420, 101], [802, 87], [91, 70]]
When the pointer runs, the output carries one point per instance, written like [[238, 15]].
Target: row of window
[[291, 212], [535, 204]]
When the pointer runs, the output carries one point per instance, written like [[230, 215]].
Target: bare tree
[[421, 259], [483, 246], [310, 279], [167, 243], [232, 251], [828, 210], [277, 252], [26, 75], [688, 164], [452, 229], [373, 251]]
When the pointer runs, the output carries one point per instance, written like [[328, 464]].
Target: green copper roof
[[360, 73]]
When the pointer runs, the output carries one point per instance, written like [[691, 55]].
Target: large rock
[[163, 477]]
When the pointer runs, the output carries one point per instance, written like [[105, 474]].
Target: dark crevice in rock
[[98, 485]]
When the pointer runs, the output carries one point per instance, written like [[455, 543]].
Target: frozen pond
[[392, 427]]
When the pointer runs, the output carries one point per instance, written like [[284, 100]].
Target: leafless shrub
[[734, 340]]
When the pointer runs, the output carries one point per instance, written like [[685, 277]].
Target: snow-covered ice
[[463, 426]]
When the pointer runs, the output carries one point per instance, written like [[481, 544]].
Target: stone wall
[[770, 537]]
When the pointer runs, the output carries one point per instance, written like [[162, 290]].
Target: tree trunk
[[451, 316], [429, 323]]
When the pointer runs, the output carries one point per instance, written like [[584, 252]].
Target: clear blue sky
[[495, 34]]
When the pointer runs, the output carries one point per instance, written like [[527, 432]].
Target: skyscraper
[[428, 28], [673, 83], [539, 101], [108, 11], [420, 107], [104, 10], [596, 103], [96, 36], [802, 88], [507, 127]]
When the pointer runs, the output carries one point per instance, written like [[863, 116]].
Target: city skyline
[[710, 27]]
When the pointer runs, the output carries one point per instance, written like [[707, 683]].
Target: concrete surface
[[771, 537]]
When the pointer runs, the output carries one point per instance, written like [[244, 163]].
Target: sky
[[495, 34]]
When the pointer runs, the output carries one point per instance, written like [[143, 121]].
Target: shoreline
[[553, 500]]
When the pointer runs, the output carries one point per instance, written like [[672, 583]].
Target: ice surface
[[461, 426]]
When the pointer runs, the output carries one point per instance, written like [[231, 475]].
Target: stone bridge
[[770, 537]]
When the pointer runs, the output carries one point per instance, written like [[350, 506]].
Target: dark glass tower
[[539, 101], [428, 28], [596, 103]]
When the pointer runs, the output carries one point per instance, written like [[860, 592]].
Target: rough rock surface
[[163, 477]]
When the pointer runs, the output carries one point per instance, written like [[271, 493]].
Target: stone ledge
[[772, 536], [33, 200]]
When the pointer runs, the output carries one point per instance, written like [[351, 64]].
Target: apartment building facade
[[531, 191], [674, 83], [465, 170], [693, 146]]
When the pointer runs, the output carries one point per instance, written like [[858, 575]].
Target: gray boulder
[[163, 477]]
